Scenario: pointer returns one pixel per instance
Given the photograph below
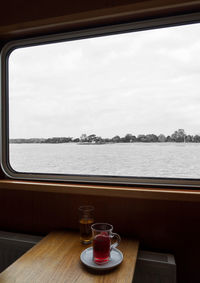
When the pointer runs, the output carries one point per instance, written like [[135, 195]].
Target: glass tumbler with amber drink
[[86, 219]]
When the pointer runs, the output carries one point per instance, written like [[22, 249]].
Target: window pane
[[119, 105]]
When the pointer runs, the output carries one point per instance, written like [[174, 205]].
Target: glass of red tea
[[102, 236], [86, 219]]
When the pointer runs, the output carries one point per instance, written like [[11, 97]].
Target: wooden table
[[56, 259]]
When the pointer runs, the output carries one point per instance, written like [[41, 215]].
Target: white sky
[[139, 83]]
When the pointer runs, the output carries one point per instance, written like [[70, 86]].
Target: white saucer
[[116, 257]]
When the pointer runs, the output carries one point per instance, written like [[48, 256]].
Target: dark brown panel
[[38, 18], [21, 10]]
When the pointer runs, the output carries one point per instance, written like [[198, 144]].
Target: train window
[[118, 105]]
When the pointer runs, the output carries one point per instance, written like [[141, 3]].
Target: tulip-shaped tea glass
[[102, 235]]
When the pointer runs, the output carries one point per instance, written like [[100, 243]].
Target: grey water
[[173, 160]]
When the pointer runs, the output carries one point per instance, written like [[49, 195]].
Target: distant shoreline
[[143, 139], [178, 136], [87, 143]]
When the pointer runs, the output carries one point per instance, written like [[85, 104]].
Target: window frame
[[74, 35]]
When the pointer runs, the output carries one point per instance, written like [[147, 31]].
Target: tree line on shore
[[178, 136]]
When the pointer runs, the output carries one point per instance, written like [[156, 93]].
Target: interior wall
[[164, 226]]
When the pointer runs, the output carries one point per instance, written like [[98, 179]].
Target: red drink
[[101, 248], [102, 235]]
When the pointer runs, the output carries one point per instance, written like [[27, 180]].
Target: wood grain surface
[[135, 192], [35, 16], [56, 258]]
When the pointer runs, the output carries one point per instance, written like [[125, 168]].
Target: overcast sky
[[139, 83]]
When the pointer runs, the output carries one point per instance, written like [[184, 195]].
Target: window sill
[[100, 190]]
